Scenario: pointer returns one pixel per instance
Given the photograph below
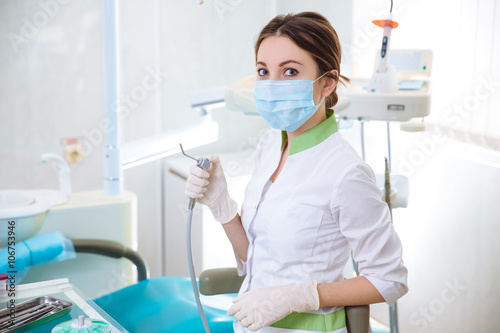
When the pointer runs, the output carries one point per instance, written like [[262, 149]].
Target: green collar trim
[[312, 137]]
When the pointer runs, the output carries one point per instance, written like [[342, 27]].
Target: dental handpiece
[[201, 162]]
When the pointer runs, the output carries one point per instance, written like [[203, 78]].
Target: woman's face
[[279, 58]]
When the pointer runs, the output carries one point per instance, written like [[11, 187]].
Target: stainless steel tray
[[33, 313]]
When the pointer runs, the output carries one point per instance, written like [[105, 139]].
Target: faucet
[[62, 170]]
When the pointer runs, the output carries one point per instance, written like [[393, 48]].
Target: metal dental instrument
[[203, 163], [30, 316], [35, 316], [387, 186], [183, 153], [7, 318]]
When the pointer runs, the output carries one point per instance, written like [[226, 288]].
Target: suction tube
[[196, 292]]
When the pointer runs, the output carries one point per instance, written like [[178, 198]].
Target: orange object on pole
[[383, 23]]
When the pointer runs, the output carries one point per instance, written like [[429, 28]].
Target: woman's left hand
[[262, 307]]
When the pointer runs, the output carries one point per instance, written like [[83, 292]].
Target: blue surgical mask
[[286, 105]]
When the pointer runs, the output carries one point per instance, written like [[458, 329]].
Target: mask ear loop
[[317, 80], [320, 101], [320, 77], [323, 75]]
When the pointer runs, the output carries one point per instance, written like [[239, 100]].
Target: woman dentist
[[311, 198]]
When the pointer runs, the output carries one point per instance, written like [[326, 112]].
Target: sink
[[22, 212]]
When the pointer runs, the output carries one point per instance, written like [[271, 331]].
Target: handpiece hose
[[192, 203], [191, 268]]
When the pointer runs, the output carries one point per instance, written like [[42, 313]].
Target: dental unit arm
[[205, 164]]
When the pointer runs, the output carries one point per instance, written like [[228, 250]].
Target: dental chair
[[166, 304]]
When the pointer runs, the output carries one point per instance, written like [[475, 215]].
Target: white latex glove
[[213, 193], [262, 307]]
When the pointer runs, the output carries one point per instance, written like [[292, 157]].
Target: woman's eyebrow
[[281, 64], [289, 61]]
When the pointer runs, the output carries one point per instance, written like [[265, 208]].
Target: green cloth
[[313, 321], [312, 137]]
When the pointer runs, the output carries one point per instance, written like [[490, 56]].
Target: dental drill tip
[[182, 150], [387, 175]]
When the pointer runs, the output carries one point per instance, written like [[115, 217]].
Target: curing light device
[[384, 78], [203, 163]]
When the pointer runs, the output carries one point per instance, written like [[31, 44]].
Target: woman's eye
[[262, 72], [290, 72]]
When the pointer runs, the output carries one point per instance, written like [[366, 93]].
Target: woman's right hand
[[210, 188]]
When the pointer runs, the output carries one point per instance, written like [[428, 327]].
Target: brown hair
[[313, 33]]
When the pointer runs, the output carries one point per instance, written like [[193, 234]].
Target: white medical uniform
[[302, 227]]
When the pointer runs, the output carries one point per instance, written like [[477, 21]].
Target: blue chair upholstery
[[162, 304]]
